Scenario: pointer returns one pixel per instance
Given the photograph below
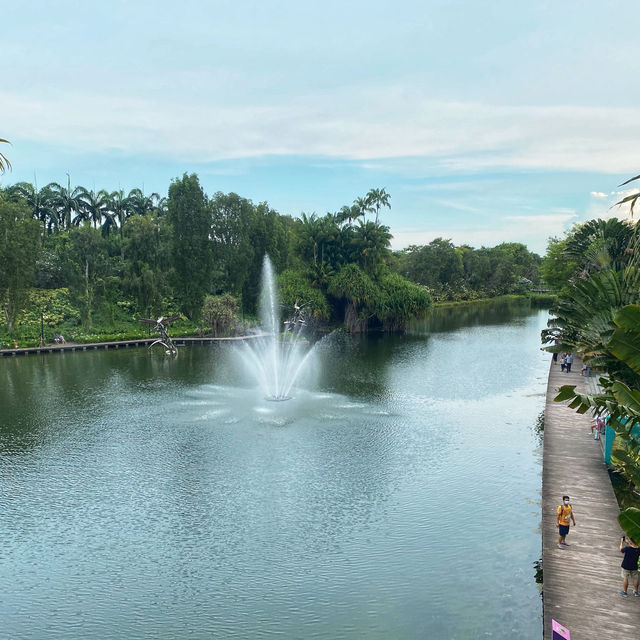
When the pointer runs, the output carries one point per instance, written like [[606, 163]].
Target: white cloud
[[599, 194], [363, 124]]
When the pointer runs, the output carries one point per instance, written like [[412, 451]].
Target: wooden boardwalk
[[121, 344], [581, 581]]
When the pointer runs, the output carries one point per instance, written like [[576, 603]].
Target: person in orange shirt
[[564, 516]]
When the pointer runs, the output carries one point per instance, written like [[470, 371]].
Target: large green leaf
[[625, 340], [628, 181], [629, 520], [628, 317], [629, 398]]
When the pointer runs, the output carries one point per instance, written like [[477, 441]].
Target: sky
[[487, 121]]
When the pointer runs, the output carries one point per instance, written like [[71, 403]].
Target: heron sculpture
[[299, 317], [161, 327]]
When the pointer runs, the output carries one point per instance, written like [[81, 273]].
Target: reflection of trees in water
[[538, 428], [356, 365], [491, 312]]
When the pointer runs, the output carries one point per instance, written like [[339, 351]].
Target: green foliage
[[295, 287], [400, 301], [54, 305], [190, 244], [463, 273], [597, 315], [19, 240], [105, 259], [629, 520], [220, 313], [557, 267]]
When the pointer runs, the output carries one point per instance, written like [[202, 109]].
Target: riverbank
[[580, 582]]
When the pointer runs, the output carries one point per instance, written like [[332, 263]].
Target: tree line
[[101, 259], [464, 273]]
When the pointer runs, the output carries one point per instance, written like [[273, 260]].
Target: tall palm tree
[[67, 202], [377, 198], [363, 206], [118, 210], [4, 161], [371, 243], [140, 204], [41, 203], [93, 206]]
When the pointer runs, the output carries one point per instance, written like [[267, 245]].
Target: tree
[[362, 206], [41, 203], [378, 198], [433, 265], [139, 204], [146, 258], [19, 241], [358, 293], [67, 202], [370, 244], [93, 206], [557, 269], [232, 218], [191, 246], [220, 313]]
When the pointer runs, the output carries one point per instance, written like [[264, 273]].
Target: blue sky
[[486, 121]]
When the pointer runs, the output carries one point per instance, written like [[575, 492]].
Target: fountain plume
[[277, 358]]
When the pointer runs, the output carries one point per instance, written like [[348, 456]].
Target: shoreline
[[117, 344]]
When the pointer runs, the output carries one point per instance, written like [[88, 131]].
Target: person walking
[[629, 565], [563, 519], [569, 361], [563, 361]]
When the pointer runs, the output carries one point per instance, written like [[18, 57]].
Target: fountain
[[276, 358]]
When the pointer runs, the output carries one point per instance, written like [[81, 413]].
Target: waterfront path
[[121, 344], [581, 582]]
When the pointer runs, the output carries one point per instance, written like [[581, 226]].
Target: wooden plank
[[581, 582]]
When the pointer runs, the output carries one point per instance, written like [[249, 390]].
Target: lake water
[[397, 496]]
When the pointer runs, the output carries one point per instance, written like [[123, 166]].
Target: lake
[[397, 495]]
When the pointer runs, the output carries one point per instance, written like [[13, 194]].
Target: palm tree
[[118, 210], [93, 206], [4, 161], [378, 198], [139, 204], [66, 201], [599, 243], [371, 244], [362, 206], [40, 203]]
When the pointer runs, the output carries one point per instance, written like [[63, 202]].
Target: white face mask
[[566, 502]]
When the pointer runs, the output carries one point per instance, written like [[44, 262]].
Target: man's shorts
[[630, 574], [563, 529]]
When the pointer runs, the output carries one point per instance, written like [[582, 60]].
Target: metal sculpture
[[299, 318], [161, 327]]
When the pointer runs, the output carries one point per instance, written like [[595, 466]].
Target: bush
[[220, 313]]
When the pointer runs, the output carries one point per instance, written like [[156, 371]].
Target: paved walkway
[[581, 581]]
